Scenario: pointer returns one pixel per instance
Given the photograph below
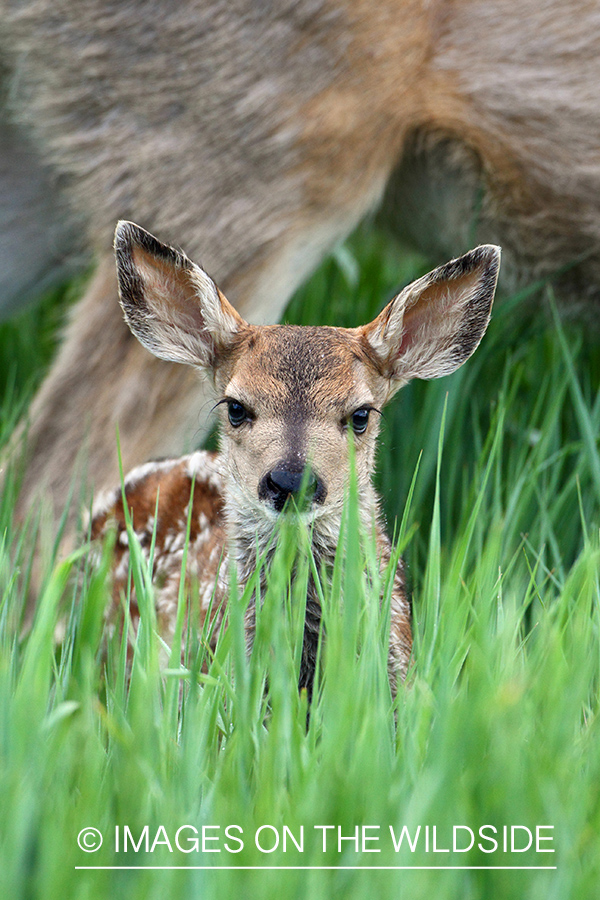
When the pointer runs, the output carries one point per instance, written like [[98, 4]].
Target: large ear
[[171, 305], [437, 322]]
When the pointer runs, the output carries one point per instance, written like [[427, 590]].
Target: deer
[[291, 400], [261, 135]]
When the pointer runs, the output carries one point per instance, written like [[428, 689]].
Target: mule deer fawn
[[290, 398]]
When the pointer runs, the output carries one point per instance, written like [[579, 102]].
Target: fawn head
[[290, 398]]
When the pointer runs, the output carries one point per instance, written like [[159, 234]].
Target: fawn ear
[[171, 305], [437, 322]]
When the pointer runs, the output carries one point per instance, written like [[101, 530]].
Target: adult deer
[[259, 134]]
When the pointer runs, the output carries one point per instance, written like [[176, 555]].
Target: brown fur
[[259, 135], [163, 526], [289, 398]]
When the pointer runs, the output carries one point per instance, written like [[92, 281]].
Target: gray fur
[[38, 244], [157, 115], [187, 117]]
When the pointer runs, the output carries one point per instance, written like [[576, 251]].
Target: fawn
[[289, 399]]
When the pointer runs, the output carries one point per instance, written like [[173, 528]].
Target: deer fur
[[260, 135], [290, 399]]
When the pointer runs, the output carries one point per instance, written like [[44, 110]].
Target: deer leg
[[103, 379]]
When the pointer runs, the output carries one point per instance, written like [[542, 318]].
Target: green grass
[[497, 726]]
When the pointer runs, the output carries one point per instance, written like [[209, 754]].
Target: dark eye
[[360, 420], [238, 414]]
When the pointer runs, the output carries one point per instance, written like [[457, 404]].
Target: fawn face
[[291, 398]]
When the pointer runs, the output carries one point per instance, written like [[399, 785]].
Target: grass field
[[494, 742]]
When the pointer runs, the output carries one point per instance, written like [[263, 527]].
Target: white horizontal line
[[330, 868]]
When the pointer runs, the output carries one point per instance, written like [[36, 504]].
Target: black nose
[[277, 485]]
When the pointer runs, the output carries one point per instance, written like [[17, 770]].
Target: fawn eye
[[238, 414], [360, 419]]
